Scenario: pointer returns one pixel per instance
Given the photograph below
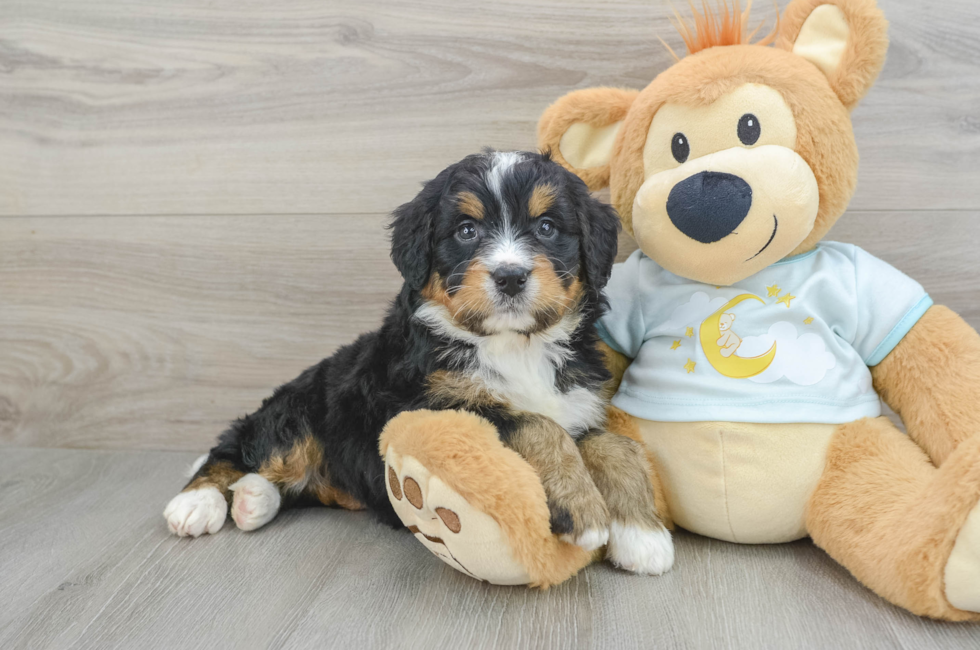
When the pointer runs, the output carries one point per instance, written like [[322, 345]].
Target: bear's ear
[[846, 39], [580, 128]]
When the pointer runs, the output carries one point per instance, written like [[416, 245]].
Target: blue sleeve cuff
[[899, 331], [608, 340]]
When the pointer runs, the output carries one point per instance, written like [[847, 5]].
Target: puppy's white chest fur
[[522, 370]]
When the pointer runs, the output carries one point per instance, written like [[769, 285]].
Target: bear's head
[[739, 154], [725, 322]]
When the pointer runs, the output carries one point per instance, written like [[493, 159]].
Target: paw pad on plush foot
[[640, 550], [195, 512], [451, 528]]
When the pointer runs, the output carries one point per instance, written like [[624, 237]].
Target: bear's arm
[[932, 380]]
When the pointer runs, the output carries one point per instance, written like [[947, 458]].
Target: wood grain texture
[[162, 330], [86, 562], [155, 332], [301, 106]]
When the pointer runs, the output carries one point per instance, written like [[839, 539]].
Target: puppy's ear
[[846, 39], [600, 240], [412, 231], [579, 131]]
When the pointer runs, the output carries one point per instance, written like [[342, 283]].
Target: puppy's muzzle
[[510, 280], [709, 206]]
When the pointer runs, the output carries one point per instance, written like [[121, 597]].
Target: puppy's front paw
[[196, 512], [581, 520], [640, 550], [590, 540]]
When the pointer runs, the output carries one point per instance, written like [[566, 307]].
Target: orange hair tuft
[[721, 23]]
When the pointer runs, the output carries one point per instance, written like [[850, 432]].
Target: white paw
[[640, 550], [256, 501], [196, 512], [590, 540]]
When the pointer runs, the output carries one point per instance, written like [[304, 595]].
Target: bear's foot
[[472, 502], [962, 573]]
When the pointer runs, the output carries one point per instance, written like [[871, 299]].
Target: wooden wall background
[[193, 195]]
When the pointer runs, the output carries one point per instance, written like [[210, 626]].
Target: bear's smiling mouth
[[775, 227]]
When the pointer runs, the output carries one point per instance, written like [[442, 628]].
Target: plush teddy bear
[[728, 170]]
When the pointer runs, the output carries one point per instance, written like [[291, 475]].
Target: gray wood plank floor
[[86, 562]]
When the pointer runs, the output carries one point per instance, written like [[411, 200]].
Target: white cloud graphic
[[802, 360], [690, 313]]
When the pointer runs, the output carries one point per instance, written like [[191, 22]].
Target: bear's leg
[[473, 502], [904, 528]]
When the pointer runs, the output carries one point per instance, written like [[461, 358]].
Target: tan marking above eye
[[450, 518], [396, 488], [470, 205], [413, 493], [542, 198]]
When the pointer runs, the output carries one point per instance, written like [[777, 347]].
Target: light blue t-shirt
[[791, 343]]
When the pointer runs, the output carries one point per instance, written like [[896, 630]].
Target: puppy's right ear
[[580, 130], [411, 233]]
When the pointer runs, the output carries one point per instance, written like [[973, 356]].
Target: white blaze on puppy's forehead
[[501, 165], [505, 249]]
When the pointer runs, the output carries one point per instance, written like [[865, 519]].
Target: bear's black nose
[[709, 206]]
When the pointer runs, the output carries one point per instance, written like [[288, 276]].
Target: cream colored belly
[[739, 482]]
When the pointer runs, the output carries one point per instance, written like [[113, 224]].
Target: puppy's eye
[[466, 231], [680, 147], [547, 228], [749, 129]]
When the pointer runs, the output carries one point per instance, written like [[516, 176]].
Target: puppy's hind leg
[[203, 504], [256, 501], [286, 474]]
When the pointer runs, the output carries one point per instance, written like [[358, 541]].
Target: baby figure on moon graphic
[[763, 358], [729, 340]]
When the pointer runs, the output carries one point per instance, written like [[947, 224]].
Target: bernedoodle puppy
[[504, 257]]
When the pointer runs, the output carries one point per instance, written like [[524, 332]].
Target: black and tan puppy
[[504, 257]]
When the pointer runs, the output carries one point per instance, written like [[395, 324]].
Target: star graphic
[[785, 299], [690, 332], [676, 344], [689, 366], [773, 290], [808, 320]]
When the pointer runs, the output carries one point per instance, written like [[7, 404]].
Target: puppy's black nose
[[510, 279], [709, 206]]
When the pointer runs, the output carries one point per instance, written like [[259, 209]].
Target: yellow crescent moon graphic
[[733, 366]]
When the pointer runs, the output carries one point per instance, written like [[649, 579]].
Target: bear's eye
[[749, 129], [679, 147]]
